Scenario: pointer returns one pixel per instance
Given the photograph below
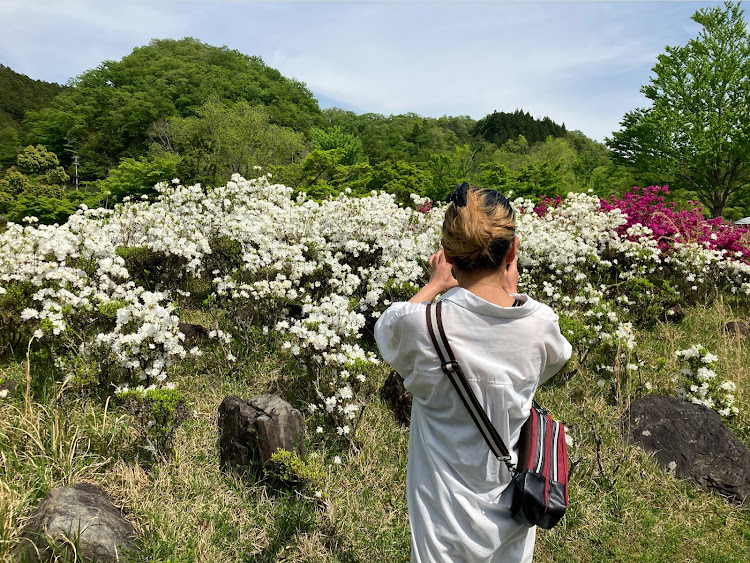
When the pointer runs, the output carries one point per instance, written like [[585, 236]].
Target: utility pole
[[75, 161]]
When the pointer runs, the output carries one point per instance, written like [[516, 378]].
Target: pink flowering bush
[[545, 203], [425, 207], [647, 207]]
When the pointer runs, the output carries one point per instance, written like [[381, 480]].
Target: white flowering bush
[[306, 280], [700, 384]]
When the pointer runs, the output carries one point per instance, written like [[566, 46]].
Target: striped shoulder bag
[[540, 481]]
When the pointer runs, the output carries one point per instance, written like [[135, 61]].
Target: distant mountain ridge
[[19, 94], [500, 127]]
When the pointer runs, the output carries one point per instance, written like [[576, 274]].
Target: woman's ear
[[512, 251], [447, 258]]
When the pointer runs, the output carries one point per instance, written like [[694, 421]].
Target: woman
[[507, 345]]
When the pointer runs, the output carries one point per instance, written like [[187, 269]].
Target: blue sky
[[581, 63]]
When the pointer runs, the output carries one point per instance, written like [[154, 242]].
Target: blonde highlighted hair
[[478, 229]]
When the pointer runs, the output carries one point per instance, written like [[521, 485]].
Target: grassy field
[[624, 507]]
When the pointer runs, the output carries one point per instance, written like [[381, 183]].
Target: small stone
[[7, 388], [192, 332], [674, 314]]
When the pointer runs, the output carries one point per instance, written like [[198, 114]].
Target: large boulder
[[690, 441], [251, 431], [84, 515], [740, 328]]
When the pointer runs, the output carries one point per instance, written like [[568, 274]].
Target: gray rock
[[9, 386], [84, 515], [399, 400], [674, 314], [192, 332], [691, 441], [250, 431], [740, 328]]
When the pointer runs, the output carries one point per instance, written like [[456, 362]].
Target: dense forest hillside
[[18, 94], [109, 112], [182, 108], [408, 137]]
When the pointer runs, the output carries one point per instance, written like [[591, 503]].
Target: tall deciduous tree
[[697, 130], [352, 151]]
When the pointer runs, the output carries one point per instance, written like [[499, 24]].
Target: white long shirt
[[457, 509]]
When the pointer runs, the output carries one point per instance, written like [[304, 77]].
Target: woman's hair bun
[[478, 233]]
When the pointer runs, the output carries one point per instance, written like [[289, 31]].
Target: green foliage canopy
[[222, 140], [351, 146], [201, 113], [18, 94], [108, 112], [400, 178], [409, 137], [138, 176], [35, 186], [697, 130], [500, 127]]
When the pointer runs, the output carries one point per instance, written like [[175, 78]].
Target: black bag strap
[[450, 367]]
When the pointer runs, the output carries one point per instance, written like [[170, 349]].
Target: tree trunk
[[716, 209]]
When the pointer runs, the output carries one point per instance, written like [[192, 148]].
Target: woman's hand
[[441, 272], [441, 279]]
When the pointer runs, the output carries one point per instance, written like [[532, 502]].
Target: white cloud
[[578, 62]]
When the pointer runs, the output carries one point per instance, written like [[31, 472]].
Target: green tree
[[499, 127], [10, 139], [590, 156], [498, 176], [400, 178], [539, 179], [352, 151], [444, 177], [531, 170], [697, 130], [35, 159], [449, 170], [137, 177], [48, 210], [19, 94], [222, 140], [14, 182], [407, 137], [322, 174], [35, 186]]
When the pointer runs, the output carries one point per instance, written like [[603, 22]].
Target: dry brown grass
[[624, 506], [42, 447]]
